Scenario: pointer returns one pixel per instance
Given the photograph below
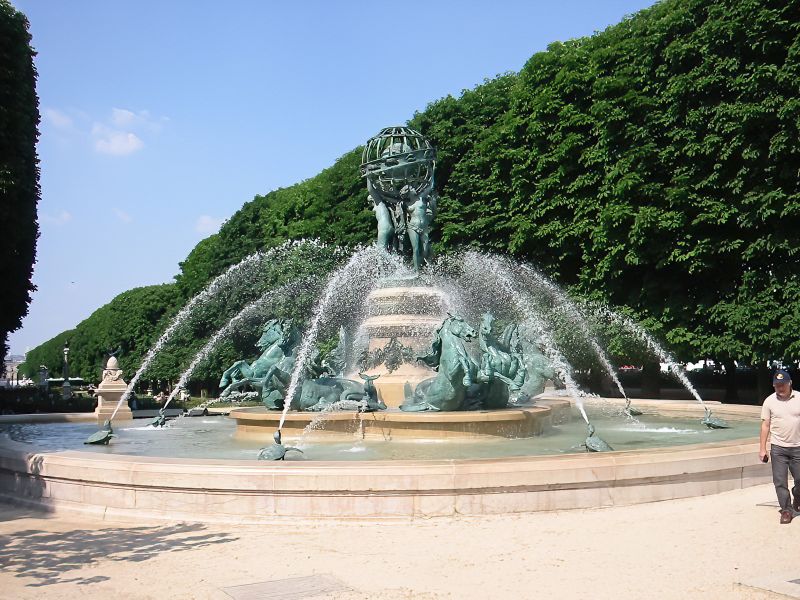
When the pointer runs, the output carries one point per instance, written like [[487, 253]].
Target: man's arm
[[762, 448]]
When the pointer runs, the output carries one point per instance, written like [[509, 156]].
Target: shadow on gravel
[[46, 556]]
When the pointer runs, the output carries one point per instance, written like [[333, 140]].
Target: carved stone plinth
[[109, 392], [402, 320]]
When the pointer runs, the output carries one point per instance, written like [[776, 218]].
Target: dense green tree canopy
[[654, 167], [19, 170]]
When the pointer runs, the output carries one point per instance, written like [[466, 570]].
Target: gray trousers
[[783, 461]]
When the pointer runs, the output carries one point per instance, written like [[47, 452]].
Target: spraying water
[[246, 312], [319, 419], [578, 318], [655, 347], [357, 277], [218, 284], [533, 322]]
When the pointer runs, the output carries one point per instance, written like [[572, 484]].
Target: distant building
[[12, 376]]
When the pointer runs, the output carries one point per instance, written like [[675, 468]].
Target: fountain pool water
[[200, 469], [216, 437], [459, 430]]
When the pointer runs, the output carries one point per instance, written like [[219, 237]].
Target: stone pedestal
[[109, 392], [405, 316]]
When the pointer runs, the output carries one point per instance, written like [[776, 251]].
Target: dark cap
[[781, 376]]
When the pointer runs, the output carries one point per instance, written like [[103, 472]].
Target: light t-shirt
[[784, 419]]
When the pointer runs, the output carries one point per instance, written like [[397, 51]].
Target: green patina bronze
[[392, 355], [323, 393], [714, 422], [271, 371], [398, 165], [103, 436], [160, 419], [505, 372], [595, 443], [449, 358], [502, 369], [276, 451], [631, 411]]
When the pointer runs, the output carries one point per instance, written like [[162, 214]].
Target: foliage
[[50, 354], [136, 319], [19, 170], [130, 322], [331, 207], [652, 167]]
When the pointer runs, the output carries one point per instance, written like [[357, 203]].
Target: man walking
[[780, 422]]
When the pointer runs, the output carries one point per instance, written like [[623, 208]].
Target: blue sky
[[160, 119]]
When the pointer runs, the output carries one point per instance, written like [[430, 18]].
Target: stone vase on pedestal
[[109, 392]]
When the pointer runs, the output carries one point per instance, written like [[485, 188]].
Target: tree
[[19, 170], [652, 167]]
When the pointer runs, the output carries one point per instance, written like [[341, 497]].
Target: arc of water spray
[[656, 348], [579, 319], [358, 262], [211, 289], [227, 328], [500, 272]]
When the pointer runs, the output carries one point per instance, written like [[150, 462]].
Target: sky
[[160, 119]]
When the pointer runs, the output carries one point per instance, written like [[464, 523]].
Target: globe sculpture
[[398, 165]]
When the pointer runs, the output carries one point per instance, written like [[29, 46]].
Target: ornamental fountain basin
[[111, 485], [389, 425]]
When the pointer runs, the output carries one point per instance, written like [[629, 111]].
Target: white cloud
[[122, 117], [206, 224], [120, 132], [123, 216], [62, 217], [57, 118], [114, 141]]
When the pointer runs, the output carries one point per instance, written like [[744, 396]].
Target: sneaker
[[786, 517]]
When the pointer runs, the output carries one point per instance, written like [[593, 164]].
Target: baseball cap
[[781, 376]]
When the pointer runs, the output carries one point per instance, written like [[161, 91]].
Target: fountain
[[407, 391]]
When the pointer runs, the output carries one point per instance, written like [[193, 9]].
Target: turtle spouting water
[[277, 451], [714, 422], [629, 410], [103, 436], [594, 443], [159, 420]]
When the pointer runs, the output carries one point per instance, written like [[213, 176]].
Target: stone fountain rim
[[231, 491], [737, 410]]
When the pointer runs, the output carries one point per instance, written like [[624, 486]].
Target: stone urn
[[109, 392]]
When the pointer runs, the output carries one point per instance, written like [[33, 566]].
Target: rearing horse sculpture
[[449, 358], [267, 372], [501, 369]]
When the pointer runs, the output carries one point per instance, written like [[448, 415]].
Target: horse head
[[272, 332], [487, 322], [459, 328], [289, 335]]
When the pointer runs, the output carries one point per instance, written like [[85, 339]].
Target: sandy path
[[683, 549]]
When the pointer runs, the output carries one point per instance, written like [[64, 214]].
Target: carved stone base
[[107, 401], [258, 423], [391, 386], [103, 414], [108, 394], [408, 315]]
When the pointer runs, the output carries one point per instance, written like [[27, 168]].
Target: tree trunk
[[763, 386], [595, 381], [731, 389], [651, 380]]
